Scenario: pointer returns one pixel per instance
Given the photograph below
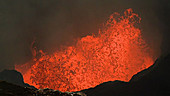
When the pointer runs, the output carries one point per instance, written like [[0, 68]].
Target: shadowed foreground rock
[[8, 89], [14, 77], [153, 81]]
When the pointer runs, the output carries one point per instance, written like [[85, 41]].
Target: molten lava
[[116, 53]]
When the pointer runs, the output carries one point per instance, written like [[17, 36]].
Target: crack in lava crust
[[116, 53]]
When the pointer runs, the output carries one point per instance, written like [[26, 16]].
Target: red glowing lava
[[116, 53]]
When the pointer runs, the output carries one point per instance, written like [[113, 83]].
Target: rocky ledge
[[8, 89]]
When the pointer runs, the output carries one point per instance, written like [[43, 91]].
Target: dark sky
[[53, 23]]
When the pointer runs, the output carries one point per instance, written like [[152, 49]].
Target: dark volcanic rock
[[8, 89], [51, 92], [154, 81], [13, 76]]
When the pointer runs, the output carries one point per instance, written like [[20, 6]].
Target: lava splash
[[117, 52]]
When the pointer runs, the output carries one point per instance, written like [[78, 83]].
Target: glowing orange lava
[[116, 53]]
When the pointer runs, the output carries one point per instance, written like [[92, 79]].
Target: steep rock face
[[154, 81], [14, 77], [8, 89]]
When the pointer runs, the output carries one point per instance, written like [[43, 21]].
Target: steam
[[58, 22]]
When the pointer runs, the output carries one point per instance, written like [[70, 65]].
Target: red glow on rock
[[116, 53]]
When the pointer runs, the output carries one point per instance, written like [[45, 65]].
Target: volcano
[[117, 52]]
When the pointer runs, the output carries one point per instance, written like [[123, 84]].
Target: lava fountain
[[117, 52]]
